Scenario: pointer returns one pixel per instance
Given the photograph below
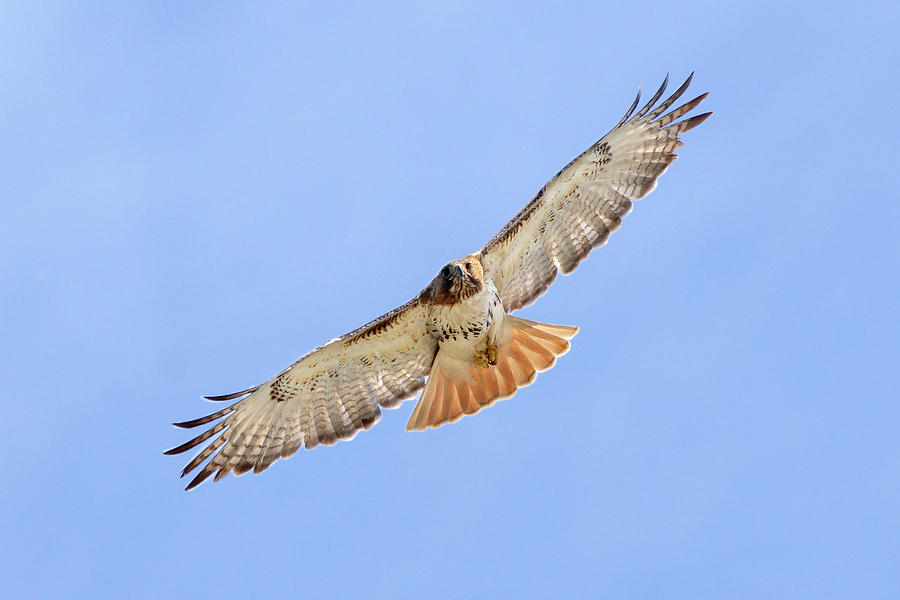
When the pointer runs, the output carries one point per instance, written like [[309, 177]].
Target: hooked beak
[[458, 273]]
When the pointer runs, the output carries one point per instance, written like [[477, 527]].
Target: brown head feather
[[457, 281]]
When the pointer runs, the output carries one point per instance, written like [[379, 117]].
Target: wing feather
[[585, 202], [326, 396], [655, 97]]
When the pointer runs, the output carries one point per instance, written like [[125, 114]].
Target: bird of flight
[[457, 338]]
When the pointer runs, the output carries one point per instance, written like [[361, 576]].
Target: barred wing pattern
[[577, 210], [326, 396]]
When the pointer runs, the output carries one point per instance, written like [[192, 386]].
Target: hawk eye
[[468, 266], [446, 271]]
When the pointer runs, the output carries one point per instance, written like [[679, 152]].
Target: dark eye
[[446, 271], [468, 266]]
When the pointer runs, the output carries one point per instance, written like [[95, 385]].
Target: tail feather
[[444, 389], [537, 354], [505, 373], [555, 339], [461, 402], [486, 383], [529, 348], [463, 399], [523, 370]]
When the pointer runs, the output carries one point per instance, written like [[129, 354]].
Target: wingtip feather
[[689, 124], [671, 99], [653, 100], [631, 108], [231, 396], [206, 419], [200, 478]]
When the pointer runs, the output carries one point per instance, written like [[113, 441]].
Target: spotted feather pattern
[[585, 202], [326, 396]]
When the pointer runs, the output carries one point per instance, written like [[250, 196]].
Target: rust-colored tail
[[531, 348]]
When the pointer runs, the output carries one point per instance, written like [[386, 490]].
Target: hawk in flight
[[457, 338]]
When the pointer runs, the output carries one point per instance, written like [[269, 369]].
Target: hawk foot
[[492, 354], [487, 357]]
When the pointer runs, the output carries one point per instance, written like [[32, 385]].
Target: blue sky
[[191, 198]]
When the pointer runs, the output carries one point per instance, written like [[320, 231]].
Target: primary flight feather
[[456, 339]]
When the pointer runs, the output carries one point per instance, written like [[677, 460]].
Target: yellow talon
[[491, 353], [487, 357]]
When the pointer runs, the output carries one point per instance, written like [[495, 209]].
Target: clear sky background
[[193, 197]]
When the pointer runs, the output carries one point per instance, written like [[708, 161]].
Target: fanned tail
[[532, 347]]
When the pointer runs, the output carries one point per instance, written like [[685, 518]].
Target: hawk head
[[457, 281]]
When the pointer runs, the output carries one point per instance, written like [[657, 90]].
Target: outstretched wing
[[577, 210], [326, 396]]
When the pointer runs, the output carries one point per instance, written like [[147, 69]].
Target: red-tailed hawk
[[456, 339]]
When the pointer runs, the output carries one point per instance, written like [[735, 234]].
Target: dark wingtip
[[183, 447], [652, 101], [687, 81], [231, 396], [631, 108], [206, 419], [200, 478], [659, 110], [689, 124], [189, 424]]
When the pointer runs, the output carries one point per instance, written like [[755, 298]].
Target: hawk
[[456, 340]]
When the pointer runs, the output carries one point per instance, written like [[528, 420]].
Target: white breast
[[465, 327]]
